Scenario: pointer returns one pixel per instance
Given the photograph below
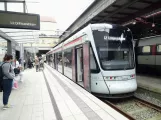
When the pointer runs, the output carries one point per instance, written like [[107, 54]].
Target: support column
[[24, 6], [22, 54], [9, 47], [5, 6]]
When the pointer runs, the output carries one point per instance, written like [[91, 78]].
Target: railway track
[[136, 109]]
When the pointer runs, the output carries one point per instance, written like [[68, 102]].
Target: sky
[[65, 12]]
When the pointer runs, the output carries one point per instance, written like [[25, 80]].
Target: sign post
[[22, 54], [19, 20]]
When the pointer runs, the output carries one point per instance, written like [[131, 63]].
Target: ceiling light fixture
[[134, 22], [153, 25]]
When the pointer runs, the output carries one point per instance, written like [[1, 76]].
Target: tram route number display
[[19, 20]]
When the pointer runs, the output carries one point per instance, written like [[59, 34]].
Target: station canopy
[[143, 17], [12, 0], [21, 35], [19, 27]]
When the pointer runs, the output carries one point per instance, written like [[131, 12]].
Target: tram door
[[80, 66], [86, 66], [74, 65], [54, 64], [56, 61], [83, 66]]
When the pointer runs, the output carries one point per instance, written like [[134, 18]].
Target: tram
[[148, 55], [100, 58]]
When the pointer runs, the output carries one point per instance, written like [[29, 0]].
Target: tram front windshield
[[115, 49]]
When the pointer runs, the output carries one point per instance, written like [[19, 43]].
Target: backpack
[[1, 77]]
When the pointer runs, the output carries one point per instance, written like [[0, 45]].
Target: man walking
[[37, 63]]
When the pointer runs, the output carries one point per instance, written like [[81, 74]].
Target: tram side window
[[68, 58], [50, 58], [146, 49], [53, 59], [59, 58], [47, 58], [93, 64], [56, 60], [158, 48]]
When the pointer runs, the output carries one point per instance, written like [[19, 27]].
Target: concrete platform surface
[[49, 95], [149, 82]]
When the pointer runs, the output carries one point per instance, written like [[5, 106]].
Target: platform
[[31, 101], [149, 82], [49, 95]]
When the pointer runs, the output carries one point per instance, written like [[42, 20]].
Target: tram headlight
[[109, 78], [113, 78], [106, 78], [132, 76]]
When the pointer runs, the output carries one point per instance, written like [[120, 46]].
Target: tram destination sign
[[19, 20]]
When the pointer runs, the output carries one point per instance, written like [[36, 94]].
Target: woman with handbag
[[8, 74]]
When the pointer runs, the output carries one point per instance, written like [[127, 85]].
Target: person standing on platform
[[37, 63], [20, 61], [24, 64], [16, 67], [8, 74], [30, 63]]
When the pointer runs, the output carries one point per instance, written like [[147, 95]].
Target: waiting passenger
[[7, 79], [41, 63], [30, 63], [37, 63], [16, 67], [24, 62]]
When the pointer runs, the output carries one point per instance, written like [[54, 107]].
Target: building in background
[[32, 41], [48, 35]]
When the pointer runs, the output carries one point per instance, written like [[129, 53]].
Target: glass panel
[[159, 48], [115, 48], [31, 7], [59, 61], [50, 59], [15, 7], [92, 61], [2, 6], [3, 49], [146, 49], [68, 63], [68, 58]]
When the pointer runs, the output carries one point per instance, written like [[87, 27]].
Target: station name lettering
[[21, 23], [114, 38]]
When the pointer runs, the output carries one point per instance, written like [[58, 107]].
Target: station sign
[[18, 20], [12, 0]]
